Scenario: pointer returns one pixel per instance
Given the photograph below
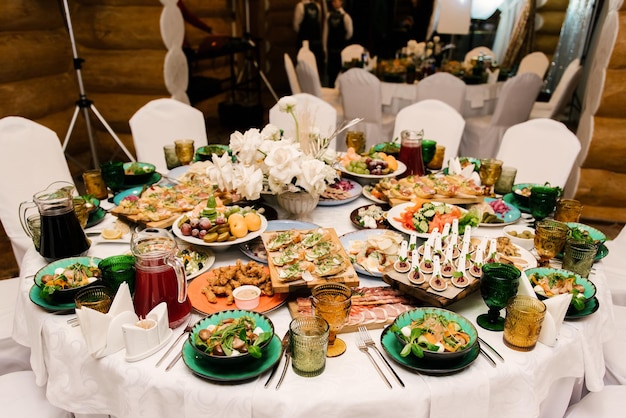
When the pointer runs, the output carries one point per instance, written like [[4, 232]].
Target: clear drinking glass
[[308, 340]]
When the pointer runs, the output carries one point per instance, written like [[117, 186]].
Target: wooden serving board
[[165, 223], [455, 200], [293, 310], [347, 277], [401, 282]]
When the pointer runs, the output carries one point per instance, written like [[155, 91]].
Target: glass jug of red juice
[[411, 152], [159, 275]]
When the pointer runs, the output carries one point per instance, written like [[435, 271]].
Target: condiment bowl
[[523, 236], [247, 297], [206, 152]]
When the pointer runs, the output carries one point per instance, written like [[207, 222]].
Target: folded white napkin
[[454, 168], [103, 332], [556, 308]]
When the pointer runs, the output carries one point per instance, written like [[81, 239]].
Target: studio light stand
[[84, 104], [250, 59]]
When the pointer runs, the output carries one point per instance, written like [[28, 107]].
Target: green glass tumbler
[[428, 150], [113, 174], [543, 200], [498, 283], [118, 269]]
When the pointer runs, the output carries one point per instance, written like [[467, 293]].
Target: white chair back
[[294, 84], [562, 93], [160, 122], [442, 86], [21, 397], [516, 99], [535, 62], [473, 53], [606, 403], [305, 54], [13, 356], [310, 109], [362, 98], [32, 158], [615, 268], [541, 150], [440, 122], [352, 51], [308, 78]]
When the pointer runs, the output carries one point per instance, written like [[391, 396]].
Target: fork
[[361, 345], [187, 330], [369, 342]]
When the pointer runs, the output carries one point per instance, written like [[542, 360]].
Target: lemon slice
[[122, 226], [111, 234]]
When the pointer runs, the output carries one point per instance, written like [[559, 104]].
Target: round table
[[536, 383]]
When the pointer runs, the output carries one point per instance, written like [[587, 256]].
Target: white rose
[[287, 104], [236, 141], [270, 132], [248, 181], [312, 176], [220, 172]]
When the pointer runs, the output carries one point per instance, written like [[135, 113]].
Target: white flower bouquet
[[263, 161]]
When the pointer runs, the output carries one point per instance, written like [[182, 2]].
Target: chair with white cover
[[361, 97], [162, 121], [562, 93], [13, 356], [482, 135], [614, 349], [21, 397], [535, 62], [351, 52], [290, 69], [615, 268], [541, 150], [607, 403], [310, 83], [476, 52], [443, 86], [311, 110], [440, 122], [305, 54], [25, 144]]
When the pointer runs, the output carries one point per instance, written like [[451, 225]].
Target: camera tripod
[[84, 104]]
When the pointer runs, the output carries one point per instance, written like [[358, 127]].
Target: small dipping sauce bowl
[[247, 297]]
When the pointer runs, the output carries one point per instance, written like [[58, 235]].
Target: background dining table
[[527, 384], [480, 99]]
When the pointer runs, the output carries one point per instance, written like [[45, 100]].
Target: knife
[[284, 343], [287, 358]]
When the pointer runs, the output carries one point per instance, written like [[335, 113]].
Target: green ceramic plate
[[590, 288], [594, 233], [603, 251], [591, 306], [508, 218], [96, 217], [511, 200], [393, 347], [37, 299], [232, 374], [63, 297]]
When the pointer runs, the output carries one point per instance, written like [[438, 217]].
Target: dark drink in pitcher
[[61, 236], [411, 153], [156, 284]]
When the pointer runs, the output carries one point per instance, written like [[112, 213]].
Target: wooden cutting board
[[455, 200], [348, 276], [165, 223]]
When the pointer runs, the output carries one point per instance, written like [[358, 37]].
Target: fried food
[[225, 279]]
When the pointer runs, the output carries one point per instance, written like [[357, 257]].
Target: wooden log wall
[[551, 15], [601, 184]]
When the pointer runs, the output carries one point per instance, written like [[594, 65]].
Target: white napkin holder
[[556, 308], [146, 336], [93, 324]]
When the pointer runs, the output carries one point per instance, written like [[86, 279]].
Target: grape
[[205, 223], [194, 222], [185, 229], [194, 232], [201, 234]]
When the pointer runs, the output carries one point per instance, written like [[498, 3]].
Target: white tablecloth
[[522, 386], [480, 99]]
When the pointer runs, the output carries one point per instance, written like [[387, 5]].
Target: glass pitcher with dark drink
[[411, 152], [61, 235], [159, 275]]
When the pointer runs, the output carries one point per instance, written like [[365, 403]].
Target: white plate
[[198, 241], [353, 194], [525, 255], [208, 263], [396, 212], [401, 169], [362, 235], [175, 173], [248, 248], [367, 192]]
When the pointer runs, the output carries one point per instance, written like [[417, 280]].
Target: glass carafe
[[61, 235], [159, 275], [411, 152]]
